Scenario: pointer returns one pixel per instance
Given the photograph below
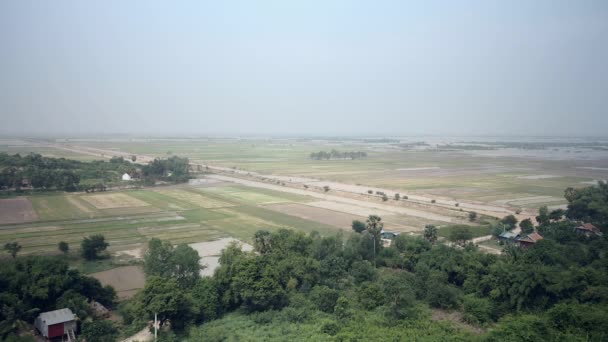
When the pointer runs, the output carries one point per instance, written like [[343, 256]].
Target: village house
[[529, 240], [507, 237], [58, 323], [126, 177], [588, 229]]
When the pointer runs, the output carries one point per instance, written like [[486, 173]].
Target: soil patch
[[16, 210], [209, 252], [338, 219], [126, 280], [110, 201]]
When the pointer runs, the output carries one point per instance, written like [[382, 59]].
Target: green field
[[180, 215], [457, 174]]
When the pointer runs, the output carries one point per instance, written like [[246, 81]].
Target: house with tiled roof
[[529, 239], [588, 229]]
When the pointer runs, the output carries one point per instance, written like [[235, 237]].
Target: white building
[[126, 177]]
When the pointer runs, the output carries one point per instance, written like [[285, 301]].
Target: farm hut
[[507, 237], [57, 323], [99, 309], [588, 229], [388, 235], [126, 177], [529, 240]]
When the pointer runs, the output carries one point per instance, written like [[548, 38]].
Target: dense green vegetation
[[298, 286], [38, 172], [30, 285]]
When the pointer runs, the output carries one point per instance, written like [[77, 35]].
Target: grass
[[476, 231], [177, 215], [56, 207]]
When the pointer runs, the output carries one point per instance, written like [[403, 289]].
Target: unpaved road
[[339, 199]]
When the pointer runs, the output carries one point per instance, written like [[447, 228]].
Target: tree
[[557, 214], [326, 188], [460, 235], [526, 226], [384, 198], [93, 245], [163, 296], [134, 158], [472, 216], [12, 248], [63, 247], [370, 191], [433, 201], [262, 241], [206, 299], [430, 233], [180, 262], [397, 196], [374, 228], [510, 221], [543, 215], [324, 297], [358, 226]]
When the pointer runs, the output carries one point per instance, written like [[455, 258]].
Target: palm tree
[[430, 233], [374, 228]]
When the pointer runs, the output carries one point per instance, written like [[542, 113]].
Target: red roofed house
[[588, 229], [529, 240], [57, 323]]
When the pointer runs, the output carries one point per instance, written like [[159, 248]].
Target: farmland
[[128, 219], [273, 183], [521, 178]]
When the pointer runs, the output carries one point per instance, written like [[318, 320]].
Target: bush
[[443, 296], [433, 201], [324, 298], [477, 310], [330, 328], [384, 198], [370, 295]]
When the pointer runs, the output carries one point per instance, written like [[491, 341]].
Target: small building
[[588, 229], [57, 323], [99, 309], [507, 237], [529, 240], [126, 177], [388, 235]]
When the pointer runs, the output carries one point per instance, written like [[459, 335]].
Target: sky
[[304, 67]]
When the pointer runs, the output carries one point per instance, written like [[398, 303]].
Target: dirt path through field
[[325, 197]]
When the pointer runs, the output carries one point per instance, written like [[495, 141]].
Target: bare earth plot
[[16, 210], [209, 252], [195, 198], [126, 280], [326, 216], [116, 200]]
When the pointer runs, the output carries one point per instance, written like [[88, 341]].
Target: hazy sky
[[304, 67]]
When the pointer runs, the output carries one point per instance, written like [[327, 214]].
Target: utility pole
[[155, 326]]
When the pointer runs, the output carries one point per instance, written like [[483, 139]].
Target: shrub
[[476, 310], [433, 201], [324, 298], [330, 328]]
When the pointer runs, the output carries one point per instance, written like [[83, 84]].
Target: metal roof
[[57, 316]]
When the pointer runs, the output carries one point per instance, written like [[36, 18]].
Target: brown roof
[[532, 237], [588, 227]]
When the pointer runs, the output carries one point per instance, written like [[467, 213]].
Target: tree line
[[335, 154], [47, 173]]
